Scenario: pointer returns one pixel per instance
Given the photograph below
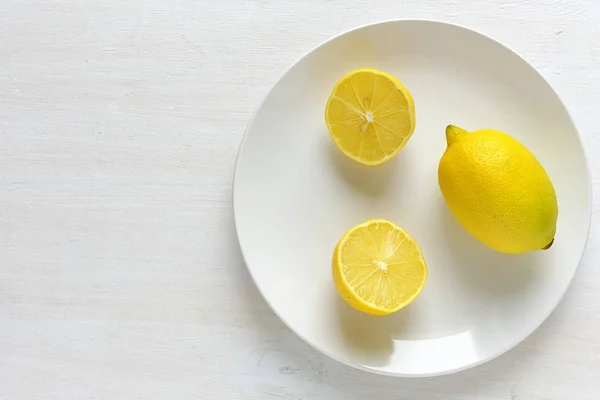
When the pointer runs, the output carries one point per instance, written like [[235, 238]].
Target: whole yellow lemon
[[498, 190]]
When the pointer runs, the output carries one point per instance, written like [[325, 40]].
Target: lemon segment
[[370, 116], [378, 268]]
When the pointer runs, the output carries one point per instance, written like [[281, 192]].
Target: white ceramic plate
[[295, 194]]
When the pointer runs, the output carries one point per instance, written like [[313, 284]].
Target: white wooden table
[[120, 274]]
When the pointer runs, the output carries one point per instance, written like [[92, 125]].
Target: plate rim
[[482, 360]]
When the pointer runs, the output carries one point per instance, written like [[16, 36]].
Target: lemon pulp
[[370, 116], [378, 268]]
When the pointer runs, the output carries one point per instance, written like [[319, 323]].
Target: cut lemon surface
[[378, 268], [370, 116]]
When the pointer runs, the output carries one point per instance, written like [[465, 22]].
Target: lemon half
[[378, 268], [370, 116]]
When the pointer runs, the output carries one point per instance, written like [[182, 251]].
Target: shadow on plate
[[369, 337], [480, 269], [371, 181]]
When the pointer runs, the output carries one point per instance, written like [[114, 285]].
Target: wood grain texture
[[120, 272]]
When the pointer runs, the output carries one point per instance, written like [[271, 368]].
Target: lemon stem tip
[[548, 245], [453, 133]]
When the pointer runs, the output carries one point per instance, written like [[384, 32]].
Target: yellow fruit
[[498, 190], [370, 116], [378, 268]]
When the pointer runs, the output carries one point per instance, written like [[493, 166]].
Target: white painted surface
[[121, 277]]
